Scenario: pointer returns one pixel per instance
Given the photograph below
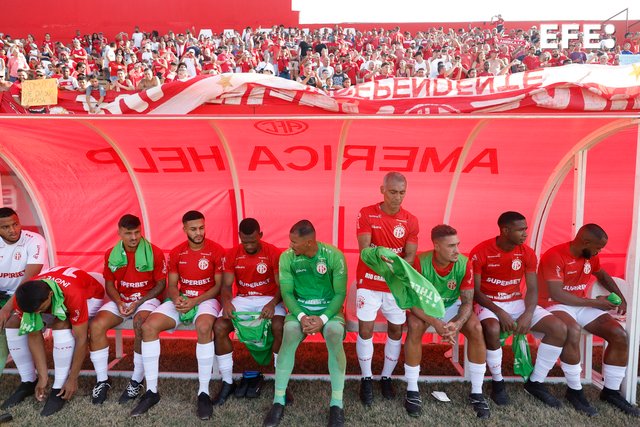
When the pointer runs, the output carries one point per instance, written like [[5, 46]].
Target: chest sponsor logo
[[261, 268], [399, 231], [17, 256], [203, 264], [516, 264], [587, 267], [451, 284], [321, 268]]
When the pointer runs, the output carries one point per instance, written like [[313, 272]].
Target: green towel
[[187, 317], [408, 287], [522, 364], [255, 333], [143, 256], [33, 321]]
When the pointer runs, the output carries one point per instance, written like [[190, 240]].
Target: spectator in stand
[[225, 60], [67, 82], [16, 62], [122, 82], [309, 76], [16, 89], [149, 80], [137, 37], [78, 53], [577, 55], [532, 60], [82, 83], [338, 78], [183, 73], [116, 65], [556, 59], [94, 86], [136, 74]]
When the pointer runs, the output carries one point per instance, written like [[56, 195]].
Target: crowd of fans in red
[[326, 58]]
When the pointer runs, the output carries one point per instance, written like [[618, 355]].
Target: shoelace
[[132, 390], [98, 389]]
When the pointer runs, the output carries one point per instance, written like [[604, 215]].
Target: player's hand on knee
[[506, 322], [523, 324], [603, 303], [228, 310]]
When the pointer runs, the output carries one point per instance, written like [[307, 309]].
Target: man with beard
[[195, 276], [564, 275], [253, 265], [499, 265]]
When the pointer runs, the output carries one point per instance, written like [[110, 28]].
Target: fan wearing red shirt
[[565, 274], [388, 225], [81, 298], [253, 266], [195, 277], [452, 276], [499, 264], [134, 294]]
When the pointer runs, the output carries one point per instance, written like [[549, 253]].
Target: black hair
[[129, 222], [7, 212], [303, 228], [191, 216], [31, 294], [595, 230], [249, 226], [509, 217]]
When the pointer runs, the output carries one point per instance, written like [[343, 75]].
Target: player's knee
[[97, 328], [222, 327], [618, 338], [574, 331], [291, 328], [147, 329], [491, 329], [205, 328], [415, 327], [333, 331], [473, 328], [558, 330]]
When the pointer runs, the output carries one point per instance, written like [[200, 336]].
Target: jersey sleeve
[[228, 260], [106, 271], [275, 259], [362, 224], [338, 268], [286, 284], [531, 261], [595, 264], [552, 267], [159, 265], [172, 264], [76, 305], [417, 263], [467, 280], [218, 259], [477, 259], [37, 251], [414, 229]]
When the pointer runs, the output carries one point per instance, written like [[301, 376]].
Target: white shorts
[[148, 305], [451, 312], [514, 308], [255, 304], [368, 303], [210, 307], [93, 306], [582, 315]]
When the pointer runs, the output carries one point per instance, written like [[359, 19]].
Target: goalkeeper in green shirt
[[313, 283]]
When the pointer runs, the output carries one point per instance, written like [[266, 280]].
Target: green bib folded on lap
[[408, 287], [187, 317], [143, 256], [255, 333], [522, 364], [33, 321]]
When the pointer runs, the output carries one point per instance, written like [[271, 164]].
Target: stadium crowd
[[328, 58]]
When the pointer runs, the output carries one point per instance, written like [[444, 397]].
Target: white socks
[[391, 355], [613, 376], [494, 363], [225, 365], [138, 368], [204, 355], [151, 362], [547, 356], [19, 350], [411, 375], [100, 360], [572, 375], [63, 346], [476, 376], [364, 350]]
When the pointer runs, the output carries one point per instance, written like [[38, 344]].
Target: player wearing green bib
[[450, 273], [313, 283]]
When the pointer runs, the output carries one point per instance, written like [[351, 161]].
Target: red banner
[[571, 88]]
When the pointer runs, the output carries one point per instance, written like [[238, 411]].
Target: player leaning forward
[[313, 283], [195, 276], [451, 274], [134, 273], [71, 297], [565, 272]]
